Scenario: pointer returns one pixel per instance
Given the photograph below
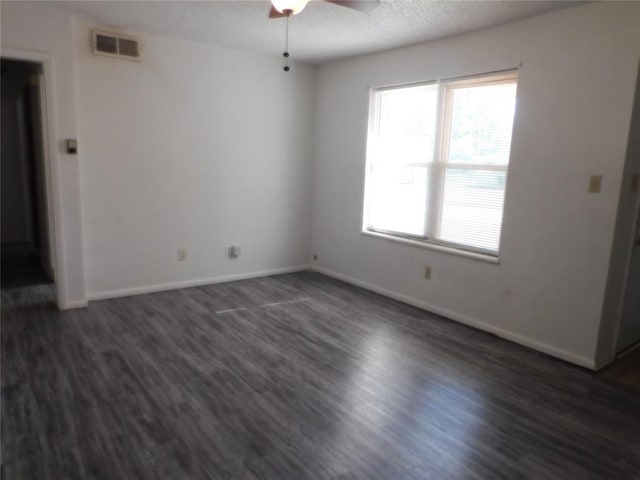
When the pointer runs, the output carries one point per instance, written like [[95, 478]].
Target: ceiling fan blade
[[275, 13], [364, 6]]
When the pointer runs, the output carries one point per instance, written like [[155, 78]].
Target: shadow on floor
[[625, 370], [21, 267]]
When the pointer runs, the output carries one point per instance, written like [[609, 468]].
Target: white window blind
[[437, 161]]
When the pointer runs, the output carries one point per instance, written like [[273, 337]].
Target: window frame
[[437, 168]]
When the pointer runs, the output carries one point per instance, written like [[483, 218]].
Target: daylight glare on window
[[481, 124], [437, 161], [403, 150]]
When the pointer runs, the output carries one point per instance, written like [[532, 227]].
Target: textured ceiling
[[320, 33]]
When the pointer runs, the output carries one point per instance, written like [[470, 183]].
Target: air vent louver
[[128, 48], [115, 45]]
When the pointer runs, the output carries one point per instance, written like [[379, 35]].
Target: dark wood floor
[[293, 377], [625, 370]]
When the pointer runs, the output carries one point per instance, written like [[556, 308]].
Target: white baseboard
[[125, 292], [74, 304], [514, 337]]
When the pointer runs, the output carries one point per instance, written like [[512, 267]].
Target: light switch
[[595, 182], [72, 147]]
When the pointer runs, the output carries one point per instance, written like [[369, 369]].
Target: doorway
[[629, 331], [27, 247], [628, 337]]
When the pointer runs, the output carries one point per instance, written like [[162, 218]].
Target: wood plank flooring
[[294, 376], [625, 370]]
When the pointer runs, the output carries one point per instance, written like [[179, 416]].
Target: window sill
[[432, 246]]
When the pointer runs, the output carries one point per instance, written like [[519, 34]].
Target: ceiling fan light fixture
[[293, 6]]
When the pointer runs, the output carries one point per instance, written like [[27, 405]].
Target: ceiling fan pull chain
[[286, 47]]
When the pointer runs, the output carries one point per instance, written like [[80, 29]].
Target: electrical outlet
[[315, 257], [233, 251], [595, 182], [182, 255], [427, 272]]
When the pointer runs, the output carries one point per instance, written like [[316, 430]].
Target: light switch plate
[[72, 146], [595, 182]]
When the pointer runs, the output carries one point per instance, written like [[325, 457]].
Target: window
[[437, 159]]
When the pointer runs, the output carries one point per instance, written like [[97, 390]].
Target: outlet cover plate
[[595, 183]]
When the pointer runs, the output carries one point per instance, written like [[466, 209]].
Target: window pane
[[454, 194], [472, 204], [481, 124], [398, 198], [406, 125]]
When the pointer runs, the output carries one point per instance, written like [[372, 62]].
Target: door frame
[[51, 162], [625, 283]]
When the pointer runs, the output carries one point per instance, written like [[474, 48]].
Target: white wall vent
[[115, 45]]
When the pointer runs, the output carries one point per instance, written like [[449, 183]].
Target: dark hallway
[[26, 238]]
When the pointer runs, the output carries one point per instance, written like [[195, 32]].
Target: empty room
[[318, 239]]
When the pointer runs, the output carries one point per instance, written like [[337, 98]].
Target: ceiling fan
[[286, 8]]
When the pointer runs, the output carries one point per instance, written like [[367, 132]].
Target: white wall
[[195, 147], [41, 29], [574, 104]]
